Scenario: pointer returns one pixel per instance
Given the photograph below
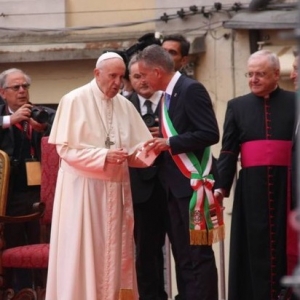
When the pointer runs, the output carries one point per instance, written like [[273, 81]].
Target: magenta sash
[[266, 153]]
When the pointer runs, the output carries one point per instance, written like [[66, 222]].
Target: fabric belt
[[266, 153]]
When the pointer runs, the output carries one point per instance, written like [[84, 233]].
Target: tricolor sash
[[205, 215]]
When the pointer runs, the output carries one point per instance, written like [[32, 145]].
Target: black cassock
[[258, 229]]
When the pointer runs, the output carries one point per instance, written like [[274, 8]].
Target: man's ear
[[2, 92], [157, 72], [277, 72], [96, 72]]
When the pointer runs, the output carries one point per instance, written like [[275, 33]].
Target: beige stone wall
[[51, 80], [109, 13]]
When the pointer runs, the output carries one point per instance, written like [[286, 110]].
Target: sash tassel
[[126, 294], [204, 237]]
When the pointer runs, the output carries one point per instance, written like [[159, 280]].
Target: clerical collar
[[272, 93]]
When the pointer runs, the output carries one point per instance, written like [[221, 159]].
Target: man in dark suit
[[149, 199], [21, 130], [191, 116]]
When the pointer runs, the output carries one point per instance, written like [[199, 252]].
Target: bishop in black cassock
[[258, 127]]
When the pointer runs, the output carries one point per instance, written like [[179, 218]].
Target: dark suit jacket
[[193, 118], [2, 101], [20, 196], [7, 137], [142, 179]]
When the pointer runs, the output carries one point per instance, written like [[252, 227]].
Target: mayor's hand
[[157, 145]]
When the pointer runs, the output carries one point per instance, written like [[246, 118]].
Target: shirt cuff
[[6, 121]]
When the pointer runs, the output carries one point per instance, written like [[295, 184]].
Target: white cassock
[[91, 247]]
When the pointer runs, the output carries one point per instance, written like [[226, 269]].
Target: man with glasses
[[259, 127], [149, 198], [20, 138]]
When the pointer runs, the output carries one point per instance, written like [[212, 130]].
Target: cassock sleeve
[[227, 162]]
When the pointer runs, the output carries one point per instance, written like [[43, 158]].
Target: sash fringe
[[204, 237], [126, 294]]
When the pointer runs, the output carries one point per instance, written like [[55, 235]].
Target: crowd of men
[[121, 208]]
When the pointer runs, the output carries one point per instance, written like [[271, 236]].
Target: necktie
[[167, 100], [148, 104]]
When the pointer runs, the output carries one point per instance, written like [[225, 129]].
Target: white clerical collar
[[170, 87]]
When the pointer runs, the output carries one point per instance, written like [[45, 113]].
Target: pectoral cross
[[108, 142]]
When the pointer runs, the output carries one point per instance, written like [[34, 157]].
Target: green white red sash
[[206, 221]]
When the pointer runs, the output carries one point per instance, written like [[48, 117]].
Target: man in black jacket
[[189, 126], [149, 199], [22, 125], [259, 128]]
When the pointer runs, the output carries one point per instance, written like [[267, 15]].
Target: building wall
[[219, 63], [32, 13], [111, 15]]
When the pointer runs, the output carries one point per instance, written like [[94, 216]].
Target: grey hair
[[272, 57], [4, 74], [133, 60], [157, 56]]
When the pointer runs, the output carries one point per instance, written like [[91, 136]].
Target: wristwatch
[[168, 142]]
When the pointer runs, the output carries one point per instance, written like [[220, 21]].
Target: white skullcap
[[108, 55]]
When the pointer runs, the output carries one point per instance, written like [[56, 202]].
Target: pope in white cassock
[[97, 133]]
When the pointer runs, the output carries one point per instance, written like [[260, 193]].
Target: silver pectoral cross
[[108, 142]]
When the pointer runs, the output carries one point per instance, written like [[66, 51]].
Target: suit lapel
[[175, 96], [135, 101]]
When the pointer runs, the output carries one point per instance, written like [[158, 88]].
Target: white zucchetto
[[108, 55]]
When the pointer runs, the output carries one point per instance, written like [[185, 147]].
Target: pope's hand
[[116, 156]]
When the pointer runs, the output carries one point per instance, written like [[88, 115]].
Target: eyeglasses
[[18, 86], [256, 74]]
